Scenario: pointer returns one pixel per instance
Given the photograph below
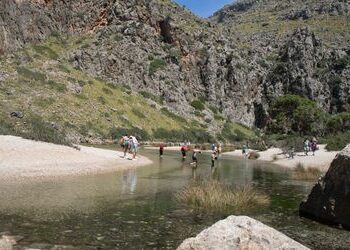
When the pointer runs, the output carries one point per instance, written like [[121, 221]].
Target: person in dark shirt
[[161, 150]]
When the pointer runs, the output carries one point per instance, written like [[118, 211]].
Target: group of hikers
[[310, 146], [130, 145], [185, 147]]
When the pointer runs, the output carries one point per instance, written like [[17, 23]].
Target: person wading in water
[[183, 151], [196, 151], [161, 150]]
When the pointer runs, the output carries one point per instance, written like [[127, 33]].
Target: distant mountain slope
[[228, 68]]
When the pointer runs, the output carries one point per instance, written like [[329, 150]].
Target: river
[[136, 209]]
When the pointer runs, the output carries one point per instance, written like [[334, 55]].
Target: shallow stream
[[136, 209]]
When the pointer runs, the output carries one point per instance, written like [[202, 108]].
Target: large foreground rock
[[329, 200], [240, 232]]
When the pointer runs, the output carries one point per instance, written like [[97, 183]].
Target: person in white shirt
[[134, 146]]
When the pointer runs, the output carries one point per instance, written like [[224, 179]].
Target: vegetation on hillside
[[44, 86], [295, 118]]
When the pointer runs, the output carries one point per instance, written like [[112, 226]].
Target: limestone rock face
[[240, 232], [159, 47], [329, 200]]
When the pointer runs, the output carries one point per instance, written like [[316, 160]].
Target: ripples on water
[[136, 208]]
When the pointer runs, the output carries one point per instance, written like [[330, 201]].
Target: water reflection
[[194, 174], [215, 173], [129, 181]]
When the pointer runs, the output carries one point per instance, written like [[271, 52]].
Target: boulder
[[240, 232], [6, 242], [329, 200]]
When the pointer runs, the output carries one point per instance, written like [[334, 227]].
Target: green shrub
[[118, 132], [214, 109], [202, 99], [6, 128], [42, 131], [44, 102], [64, 68], [81, 83], [84, 97], [35, 129], [58, 86], [32, 75], [107, 91], [46, 51], [173, 116], [156, 65], [337, 142], [102, 100], [112, 85], [203, 53], [198, 105], [175, 55], [71, 79], [338, 123], [151, 96], [198, 113], [231, 134], [286, 142], [193, 134], [295, 114], [219, 117], [341, 63], [138, 113]]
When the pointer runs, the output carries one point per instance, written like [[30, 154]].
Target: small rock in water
[[100, 238]]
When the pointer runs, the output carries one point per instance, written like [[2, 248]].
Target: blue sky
[[204, 8]]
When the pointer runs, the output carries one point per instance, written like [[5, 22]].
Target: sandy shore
[[321, 160], [21, 158]]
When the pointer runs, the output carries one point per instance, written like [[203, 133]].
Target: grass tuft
[[214, 196], [156, 65], [303, 173]]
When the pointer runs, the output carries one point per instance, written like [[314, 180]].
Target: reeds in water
[[214, 196], [303, 173]]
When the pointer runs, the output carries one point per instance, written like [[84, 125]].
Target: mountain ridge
[[202, 69]]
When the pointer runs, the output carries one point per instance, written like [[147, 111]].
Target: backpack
[[121, 141]]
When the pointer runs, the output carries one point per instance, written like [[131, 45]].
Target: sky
[[204, 8]]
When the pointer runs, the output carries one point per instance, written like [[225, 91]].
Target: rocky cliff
[[329, 199], [231, 66]]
